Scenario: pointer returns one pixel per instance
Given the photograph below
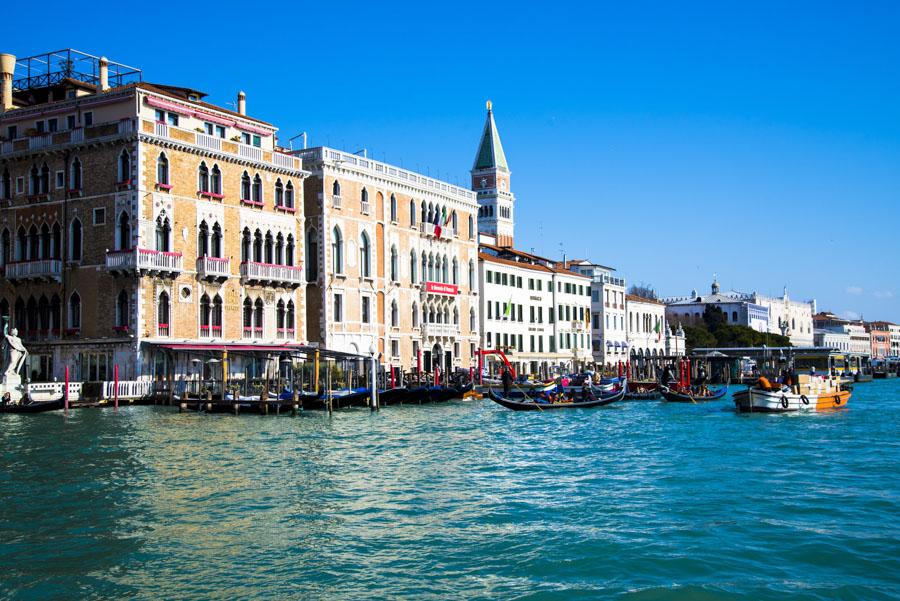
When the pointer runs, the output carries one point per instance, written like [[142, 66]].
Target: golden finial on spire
[[489, 105]]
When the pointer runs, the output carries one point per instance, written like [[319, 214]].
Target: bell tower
[[490, 182]]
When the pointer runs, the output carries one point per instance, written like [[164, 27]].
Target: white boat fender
[[784, 401], [804, 400]]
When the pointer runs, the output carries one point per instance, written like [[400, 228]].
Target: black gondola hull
[[676, 397], [35, 407], [526, 405]]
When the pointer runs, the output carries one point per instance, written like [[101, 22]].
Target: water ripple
[[464, 500]]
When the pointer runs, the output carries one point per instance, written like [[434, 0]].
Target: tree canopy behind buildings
[[715, 331], [643, 290]]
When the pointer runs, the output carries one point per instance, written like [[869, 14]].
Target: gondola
[[33, 407], [416, 394], [683, 397], [536, 405], [439, 394], [356, 397], [393, 396]]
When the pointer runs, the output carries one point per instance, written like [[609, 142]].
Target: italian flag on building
[[437, 224]]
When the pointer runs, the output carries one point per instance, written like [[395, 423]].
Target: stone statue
[[16, 350]]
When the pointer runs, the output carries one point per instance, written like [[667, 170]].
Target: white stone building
[[646, 326], [789, 317], [757, 311], [609, 338], [832, 329], [377, 272], [533, 310], [832, 338]]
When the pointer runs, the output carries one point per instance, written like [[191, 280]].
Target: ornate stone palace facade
[[137, 216], [379, 274]]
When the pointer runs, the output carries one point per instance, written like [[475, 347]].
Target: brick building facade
[[136, 216]]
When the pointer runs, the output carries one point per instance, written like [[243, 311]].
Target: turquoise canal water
[[463, 500]]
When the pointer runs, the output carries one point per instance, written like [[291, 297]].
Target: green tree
[[698, 337], [715, 332], [714, 318]]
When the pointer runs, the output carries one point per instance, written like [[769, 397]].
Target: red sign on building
[[438, 288]]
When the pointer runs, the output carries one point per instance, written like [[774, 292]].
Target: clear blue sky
[[758, 140]]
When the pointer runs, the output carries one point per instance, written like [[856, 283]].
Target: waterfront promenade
[[459, 500]]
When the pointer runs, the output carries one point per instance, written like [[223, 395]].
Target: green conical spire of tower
[[490, 151]]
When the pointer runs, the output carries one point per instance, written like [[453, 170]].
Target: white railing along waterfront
[[51, 391], [127, 389]]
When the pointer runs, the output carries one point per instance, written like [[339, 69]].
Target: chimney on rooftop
[[104, 74], [242, 103], [7, 68]]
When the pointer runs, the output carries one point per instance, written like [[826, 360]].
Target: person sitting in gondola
[[585, 392]]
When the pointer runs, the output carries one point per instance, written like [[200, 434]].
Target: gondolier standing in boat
[[700, 381], [506, 378], [665, 375]]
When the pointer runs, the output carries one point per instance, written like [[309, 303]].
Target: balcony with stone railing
[[144, 261], [438, 330], [58, 139], [285, 333], [38, 269], [214, 268], [217, 144], [272, 275]]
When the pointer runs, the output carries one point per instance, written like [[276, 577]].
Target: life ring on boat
[[804, 400], [784, 401]]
